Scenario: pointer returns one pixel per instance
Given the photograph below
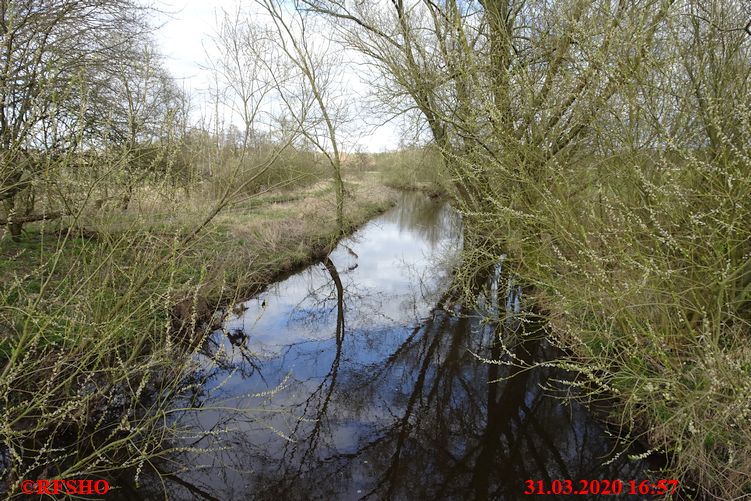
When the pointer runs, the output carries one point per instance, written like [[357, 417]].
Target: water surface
[[355, 378]]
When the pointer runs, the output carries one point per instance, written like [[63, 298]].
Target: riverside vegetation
[[101, 310], [604, 147], [125, 227]]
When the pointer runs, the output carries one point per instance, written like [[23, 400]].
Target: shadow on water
[[345, 381]]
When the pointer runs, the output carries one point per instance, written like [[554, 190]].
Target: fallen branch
[[31, 218]]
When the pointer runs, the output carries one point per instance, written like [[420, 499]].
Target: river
[[357, 378]]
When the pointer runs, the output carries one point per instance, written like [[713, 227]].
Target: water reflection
[[360, 388]]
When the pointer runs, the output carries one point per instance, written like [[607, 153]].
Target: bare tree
[[242, 69], [143, 112], [312, 105], [512, 84], [50, 52]]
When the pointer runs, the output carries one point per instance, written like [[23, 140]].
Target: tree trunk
[[339, 188], [15, 224], [125, 202]]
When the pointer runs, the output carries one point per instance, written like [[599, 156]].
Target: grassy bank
[[94, 311], [254, 243]]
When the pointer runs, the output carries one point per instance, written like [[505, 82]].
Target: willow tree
[[514, 93]]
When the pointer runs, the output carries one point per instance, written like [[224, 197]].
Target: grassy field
[[98, 318]]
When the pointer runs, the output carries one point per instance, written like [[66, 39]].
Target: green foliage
[[84, 379], [642, 261]]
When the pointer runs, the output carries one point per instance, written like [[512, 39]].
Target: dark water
[[349, 380]]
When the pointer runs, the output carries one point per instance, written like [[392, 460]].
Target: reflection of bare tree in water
[[429, 425], [407, 412], [319, 399], [458, 434], [214, 348]]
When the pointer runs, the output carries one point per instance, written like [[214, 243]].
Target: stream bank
[[88, 354], [353, 379], [256, 244]]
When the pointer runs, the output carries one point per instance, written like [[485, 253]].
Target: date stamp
[[615, 487]]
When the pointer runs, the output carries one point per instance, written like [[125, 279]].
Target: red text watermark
[[605, 487], [80, 487]]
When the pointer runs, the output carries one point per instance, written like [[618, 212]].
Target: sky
[[183, 39]]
